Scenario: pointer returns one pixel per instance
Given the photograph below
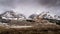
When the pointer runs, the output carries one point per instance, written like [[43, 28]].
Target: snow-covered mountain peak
[[11, 14], [49, 15]]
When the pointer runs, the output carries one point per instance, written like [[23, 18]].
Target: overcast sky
[[28, 7]]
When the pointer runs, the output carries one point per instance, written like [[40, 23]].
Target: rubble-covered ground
[[25, 27]]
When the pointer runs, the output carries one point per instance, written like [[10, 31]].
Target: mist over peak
[[28, 7]]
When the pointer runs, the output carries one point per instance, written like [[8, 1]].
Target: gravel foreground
[[46, 28]]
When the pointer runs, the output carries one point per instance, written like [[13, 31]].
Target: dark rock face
[[53, 21], [30, 20], [4, 21]]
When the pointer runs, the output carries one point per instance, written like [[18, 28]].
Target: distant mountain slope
[[32, 16], [12, 14], [48, 15]]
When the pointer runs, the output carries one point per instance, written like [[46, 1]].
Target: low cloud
[[29, 7]]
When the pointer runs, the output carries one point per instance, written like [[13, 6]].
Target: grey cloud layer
[[30, 6], [50, 2], [12, 3]]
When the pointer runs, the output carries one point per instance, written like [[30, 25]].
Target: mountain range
[[11, 14]]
